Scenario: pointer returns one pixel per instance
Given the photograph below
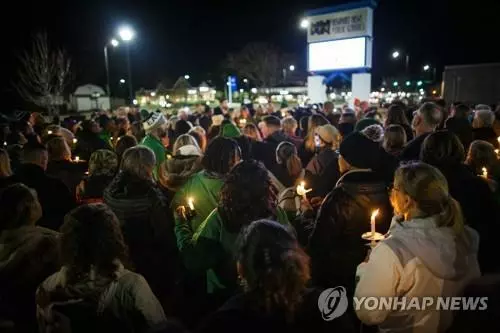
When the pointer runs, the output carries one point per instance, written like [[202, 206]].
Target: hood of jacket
[[178, 170], [17, 246], [443, 253], [277, 137]]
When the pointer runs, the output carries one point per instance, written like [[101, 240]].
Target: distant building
[[90, 97]]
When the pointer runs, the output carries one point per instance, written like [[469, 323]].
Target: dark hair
[[182, 127], [286, 154], [18, 205], [396, 115], [124, 142], [103, 120], [442, 149], [91, 238], [462, 111], [274, 268], [272, 121], [220, 155], [246, 195], [213, 132], [32, 151]]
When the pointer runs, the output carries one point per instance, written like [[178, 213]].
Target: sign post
[[340, 40]]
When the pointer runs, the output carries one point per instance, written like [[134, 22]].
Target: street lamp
[[397, 54], [113, 42], [122, 81], [304, 24], [292, 68], [427, 67], [127, 34], [245, 80], [186, 77]]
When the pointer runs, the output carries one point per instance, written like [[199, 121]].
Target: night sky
[[188, 36]]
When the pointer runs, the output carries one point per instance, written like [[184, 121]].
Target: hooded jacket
[[178, 170], [27, 256], [418, 259], [123, 303]]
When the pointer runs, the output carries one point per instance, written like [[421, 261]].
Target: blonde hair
[[427, 186], [139, 161], [5, 170], [481, 154], [185, 140], [58, 149], [314, 122]]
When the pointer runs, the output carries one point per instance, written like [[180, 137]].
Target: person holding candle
[[89, 140], [444, 151], [335, 244], [204, 186], [482, 154], [213, 246], [429, 252]]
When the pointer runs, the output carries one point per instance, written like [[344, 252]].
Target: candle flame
[[77, 158], [497, 151], [303, 184], [75, 140], [498, 139], [191, 203], [375, 213], [485, 172], [49, 132]]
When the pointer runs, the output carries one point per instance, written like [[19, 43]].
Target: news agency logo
[[332, 303]]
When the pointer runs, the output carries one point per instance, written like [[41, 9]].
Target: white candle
[[75, 140], [77, 158], [485, 173], [191, 203], [301, 190], [372, 224], [49, 132]]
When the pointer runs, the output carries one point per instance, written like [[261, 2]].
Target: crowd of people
[[146, 222]]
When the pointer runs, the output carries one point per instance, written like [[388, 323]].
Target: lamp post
[[127, 34], [397, 54], [113, 43], [285, 71]]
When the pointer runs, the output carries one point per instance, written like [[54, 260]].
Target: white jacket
[[417, 260]]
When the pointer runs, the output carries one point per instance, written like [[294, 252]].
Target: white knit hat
[[155, 120], [189, 150]]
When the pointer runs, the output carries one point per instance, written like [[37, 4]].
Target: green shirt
[[157, 147], [204, 189], [210, 246]]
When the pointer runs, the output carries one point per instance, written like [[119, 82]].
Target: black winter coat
[[479, 208], [265, 151], [68, 172], [335, 245], [486, 134], [148, 229], [88, 143], [243, 314], [322, 173], [54, 196]]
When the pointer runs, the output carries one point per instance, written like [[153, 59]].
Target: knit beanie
[[374, 133], [359, 151], [364, 123], [152, 120], [230, 131]]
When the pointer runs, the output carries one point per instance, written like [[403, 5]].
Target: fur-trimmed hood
[[178, 169]]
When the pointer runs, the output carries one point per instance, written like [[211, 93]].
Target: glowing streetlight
[[304, 24], [153, 94], [427, 67], [126, 33], [408, 83], [395, 83], [395, 54], [186, 77], [292, 68], [254, 90], [122, 81], [114, 42], [245, 80]]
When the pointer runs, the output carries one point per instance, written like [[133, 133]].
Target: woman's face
[[400, 201]]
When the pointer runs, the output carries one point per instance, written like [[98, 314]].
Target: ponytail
[[294, 166], [452, 216]]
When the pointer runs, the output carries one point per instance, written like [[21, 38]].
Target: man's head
[[358, 152], [155, 124], [35, 153], [270, 124], [328, 107], [460, 111], [426, 118], [483, 116], [223, 104], [289, 125]]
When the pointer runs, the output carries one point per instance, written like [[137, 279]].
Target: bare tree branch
[[43, 74]]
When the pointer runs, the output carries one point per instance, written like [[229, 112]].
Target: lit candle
[[301, 190], [77, 158], [5, 143], [372, 224], [111, 138], [191, 203], [243, 122], [497, 152], [485, 173], [49, 132], [498, 139], [75, 140]]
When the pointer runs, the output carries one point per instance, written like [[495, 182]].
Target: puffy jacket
[[418, 259], [124, 303], [335, 245]]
